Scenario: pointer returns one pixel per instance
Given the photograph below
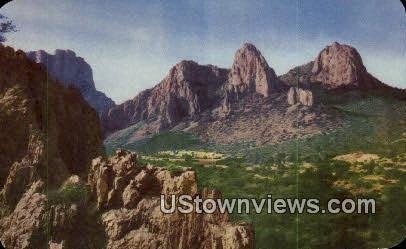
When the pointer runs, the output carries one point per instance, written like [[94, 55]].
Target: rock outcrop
[[73, 71], [44, 219], [298, 95], [339, 66], [129, 195], [39, 121], [187, 90], [24, 228], [251, 72], [41, 146]]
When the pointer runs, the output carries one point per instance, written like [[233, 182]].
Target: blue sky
[[131, 44]]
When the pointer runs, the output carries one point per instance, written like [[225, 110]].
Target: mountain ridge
[[250, 83]]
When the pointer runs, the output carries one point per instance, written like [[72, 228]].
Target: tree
[[6, 26]]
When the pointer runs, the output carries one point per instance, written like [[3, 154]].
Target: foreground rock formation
[[24, 227], [41, 145], [74, 71], [126, 197], [39, 134], [129, 195]]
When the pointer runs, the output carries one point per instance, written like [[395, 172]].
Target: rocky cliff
[[187, 90], [250, 72], [41, 145], [74, 71], [39, 134], [337, 66]]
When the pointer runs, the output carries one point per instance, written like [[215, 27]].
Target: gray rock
[[71, 70]]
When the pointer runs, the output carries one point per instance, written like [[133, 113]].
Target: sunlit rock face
[[340, 66], [251, 72]]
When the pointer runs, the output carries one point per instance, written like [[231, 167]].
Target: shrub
[[70, 193]]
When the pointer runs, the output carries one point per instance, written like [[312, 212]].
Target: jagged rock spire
[[250, 71]]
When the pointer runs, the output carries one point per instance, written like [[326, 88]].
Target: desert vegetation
[[364, 159]]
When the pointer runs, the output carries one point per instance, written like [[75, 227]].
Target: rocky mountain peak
[[339, 65], [184, 70], [73, 71], [66, 67], [250, 48], [250, 71], [187, 90], [188, 70]]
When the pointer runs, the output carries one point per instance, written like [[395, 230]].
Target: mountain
[[58, 190], [251, 72], [187, 90], [327, 128], [340, 65], [247, 103], [74, 71], [337, 66]]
